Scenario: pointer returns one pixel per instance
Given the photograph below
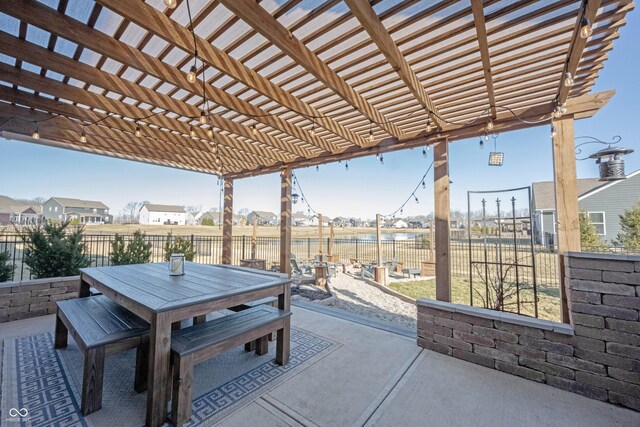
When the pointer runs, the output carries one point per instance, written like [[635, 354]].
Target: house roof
[[349, 67], [263, 214], [163, 208], [606, 185], [12, 206], [79, 203], [544, 194]]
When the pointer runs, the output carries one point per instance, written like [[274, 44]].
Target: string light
[[585, 28], [568, 79], [313, 130], [83, 136], [254, 129], [554, 132], [210, 132], [191, 76], [424, 152], [203, 118], [481, 144], [370, 131], [381, 159], [192, 131], [416, 199], [317, 168], [36, 132], [424, 185], [429, 127], [346, 165], [489, 125], [486, 136], [171, 4], [137, 133]]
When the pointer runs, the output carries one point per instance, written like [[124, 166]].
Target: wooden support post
[[567, 216], [285, 222], [254, 237], [331, 239], [442, 220], [378, 241], [227, 226], [431, 242], [320, 251]]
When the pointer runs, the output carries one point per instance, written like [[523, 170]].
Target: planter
[[258, 264], [428, 268]]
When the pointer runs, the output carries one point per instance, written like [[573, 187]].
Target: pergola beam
[[265, 24], [581, 107], [483, 43], [363, 10], [162, 26], [589, 11]]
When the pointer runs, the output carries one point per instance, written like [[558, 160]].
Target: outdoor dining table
[[161, 299]]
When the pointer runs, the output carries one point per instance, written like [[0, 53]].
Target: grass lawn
[[548, 297]]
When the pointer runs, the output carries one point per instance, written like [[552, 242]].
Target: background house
[[264, 218], [209, 216], [604, 202], [162, 214], [16, 212], [84, 211]]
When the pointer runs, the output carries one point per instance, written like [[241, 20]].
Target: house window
[[49, 208], [95, 210], [55, 209], [597, 219]]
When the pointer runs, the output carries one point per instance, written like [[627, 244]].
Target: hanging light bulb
[[424, 185], [83, 136], [210, 132], [254, 129], [313, 130], [377, 156], [424, 152], [481, 143], [568, 79], [191, 76], [36, 132], [346, 165], [416, 198], [370, 136], [429, 127], [401, 211], [486, 136], [339, 162], [171, 4], [585, 28], [428, 147], [381, 159], [553, 131], [317, 168], [137, 132], [203, 118], [489, 125], [192, 131]]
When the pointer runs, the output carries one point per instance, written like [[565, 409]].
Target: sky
[[368, 187]]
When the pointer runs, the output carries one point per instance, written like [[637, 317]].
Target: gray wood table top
[[151, 285]]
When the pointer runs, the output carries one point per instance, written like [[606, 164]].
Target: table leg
[[85, 289], [159, 348], [284, 335]]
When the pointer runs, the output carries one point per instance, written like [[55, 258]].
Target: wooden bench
[[203, 341], [101, 327], [411, 271]]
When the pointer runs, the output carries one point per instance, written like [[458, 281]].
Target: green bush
[[138, 251], [207, 221], [6, 268], [51, 250], [178, 246], [629, 237]]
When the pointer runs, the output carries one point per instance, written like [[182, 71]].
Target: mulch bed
[[309, 292]]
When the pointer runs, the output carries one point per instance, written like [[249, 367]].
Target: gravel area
[[359, 297]]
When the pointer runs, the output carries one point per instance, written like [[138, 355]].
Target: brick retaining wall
[[597, 356], [32, 298]]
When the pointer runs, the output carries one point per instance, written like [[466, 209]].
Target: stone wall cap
[[610, 257], [40, 281], [500, 316]]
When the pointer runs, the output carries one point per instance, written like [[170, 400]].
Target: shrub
[[207, 221], [588, 234], [51, 250], [178, 246], [6, 268], [138, 251], [629, 237]]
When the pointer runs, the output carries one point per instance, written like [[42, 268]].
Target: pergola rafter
[[287, 67]]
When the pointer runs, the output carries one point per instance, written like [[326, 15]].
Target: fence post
[[357, 257], [394, 248], [308, 247], [243, 256]]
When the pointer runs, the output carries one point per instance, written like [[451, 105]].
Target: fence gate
[[502, 263]]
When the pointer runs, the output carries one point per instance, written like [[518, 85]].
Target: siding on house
[[612, 199], [85, 211]]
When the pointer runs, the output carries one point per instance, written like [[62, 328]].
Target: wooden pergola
[[293, 83]]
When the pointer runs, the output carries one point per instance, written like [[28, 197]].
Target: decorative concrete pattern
[[47, 382]]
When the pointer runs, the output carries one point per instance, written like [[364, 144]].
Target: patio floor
[[377, 377]]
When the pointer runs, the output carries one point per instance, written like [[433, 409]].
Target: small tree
[[6, 268], [207, 221], [629, 237], [138, 251], [51, 250], [178, 246], [588, 234]]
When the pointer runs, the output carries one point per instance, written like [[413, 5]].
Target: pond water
[[372, 236]]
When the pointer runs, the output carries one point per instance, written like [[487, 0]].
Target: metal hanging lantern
[[294, 198], [610, 162], [496, 158]]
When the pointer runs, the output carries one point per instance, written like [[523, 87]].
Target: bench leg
[[262, 345], [199, 319], [182, 394], [62, 334], [92, 380], [271, 336], [142, 367], [250, 346], [284, 343]]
